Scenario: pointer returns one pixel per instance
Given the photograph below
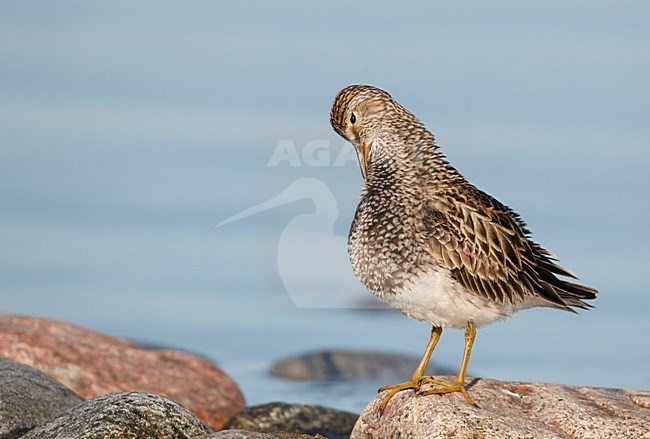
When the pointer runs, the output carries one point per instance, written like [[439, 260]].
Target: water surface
[[128, 131]]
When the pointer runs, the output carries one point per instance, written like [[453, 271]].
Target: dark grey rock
[[247, 434], [295, 418], [341, 365], [28, 397], [127, 415]]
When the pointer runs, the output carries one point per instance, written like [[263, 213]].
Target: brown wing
[[486, 247]]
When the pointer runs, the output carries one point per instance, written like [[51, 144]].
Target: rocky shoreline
[[59, 380]]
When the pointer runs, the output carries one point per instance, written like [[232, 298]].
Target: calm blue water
[[128, 131]]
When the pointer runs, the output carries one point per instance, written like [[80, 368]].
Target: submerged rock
[[346, 365], [28, 398], [129, 415], [92, 364], [510, 409], [295, 418]]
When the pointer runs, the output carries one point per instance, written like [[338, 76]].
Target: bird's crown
[[349, 98]]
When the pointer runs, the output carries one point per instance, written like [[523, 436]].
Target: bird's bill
[[362, 156]]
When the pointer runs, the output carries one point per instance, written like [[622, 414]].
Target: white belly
[[439, 300]]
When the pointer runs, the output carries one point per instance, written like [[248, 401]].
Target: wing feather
[[486, 247]]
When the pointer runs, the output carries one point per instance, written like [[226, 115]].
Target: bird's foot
[[413, 384], [396, 388], [445, 388]]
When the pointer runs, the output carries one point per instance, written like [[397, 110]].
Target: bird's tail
[[565, 294]]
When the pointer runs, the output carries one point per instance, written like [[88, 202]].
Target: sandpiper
[[431, 244]]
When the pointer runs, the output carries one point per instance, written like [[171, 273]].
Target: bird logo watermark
[[302, 191]]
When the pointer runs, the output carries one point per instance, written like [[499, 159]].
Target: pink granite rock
[[93, 364], [511, 410]]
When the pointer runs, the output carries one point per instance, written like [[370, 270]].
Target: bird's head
[[363, 114]]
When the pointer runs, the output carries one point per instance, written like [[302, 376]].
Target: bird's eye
[[353, 118]]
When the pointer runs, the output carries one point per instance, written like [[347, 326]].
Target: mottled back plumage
[[418, 213]]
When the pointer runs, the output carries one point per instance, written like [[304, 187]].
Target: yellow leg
[[417, 379], [459, 385]]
